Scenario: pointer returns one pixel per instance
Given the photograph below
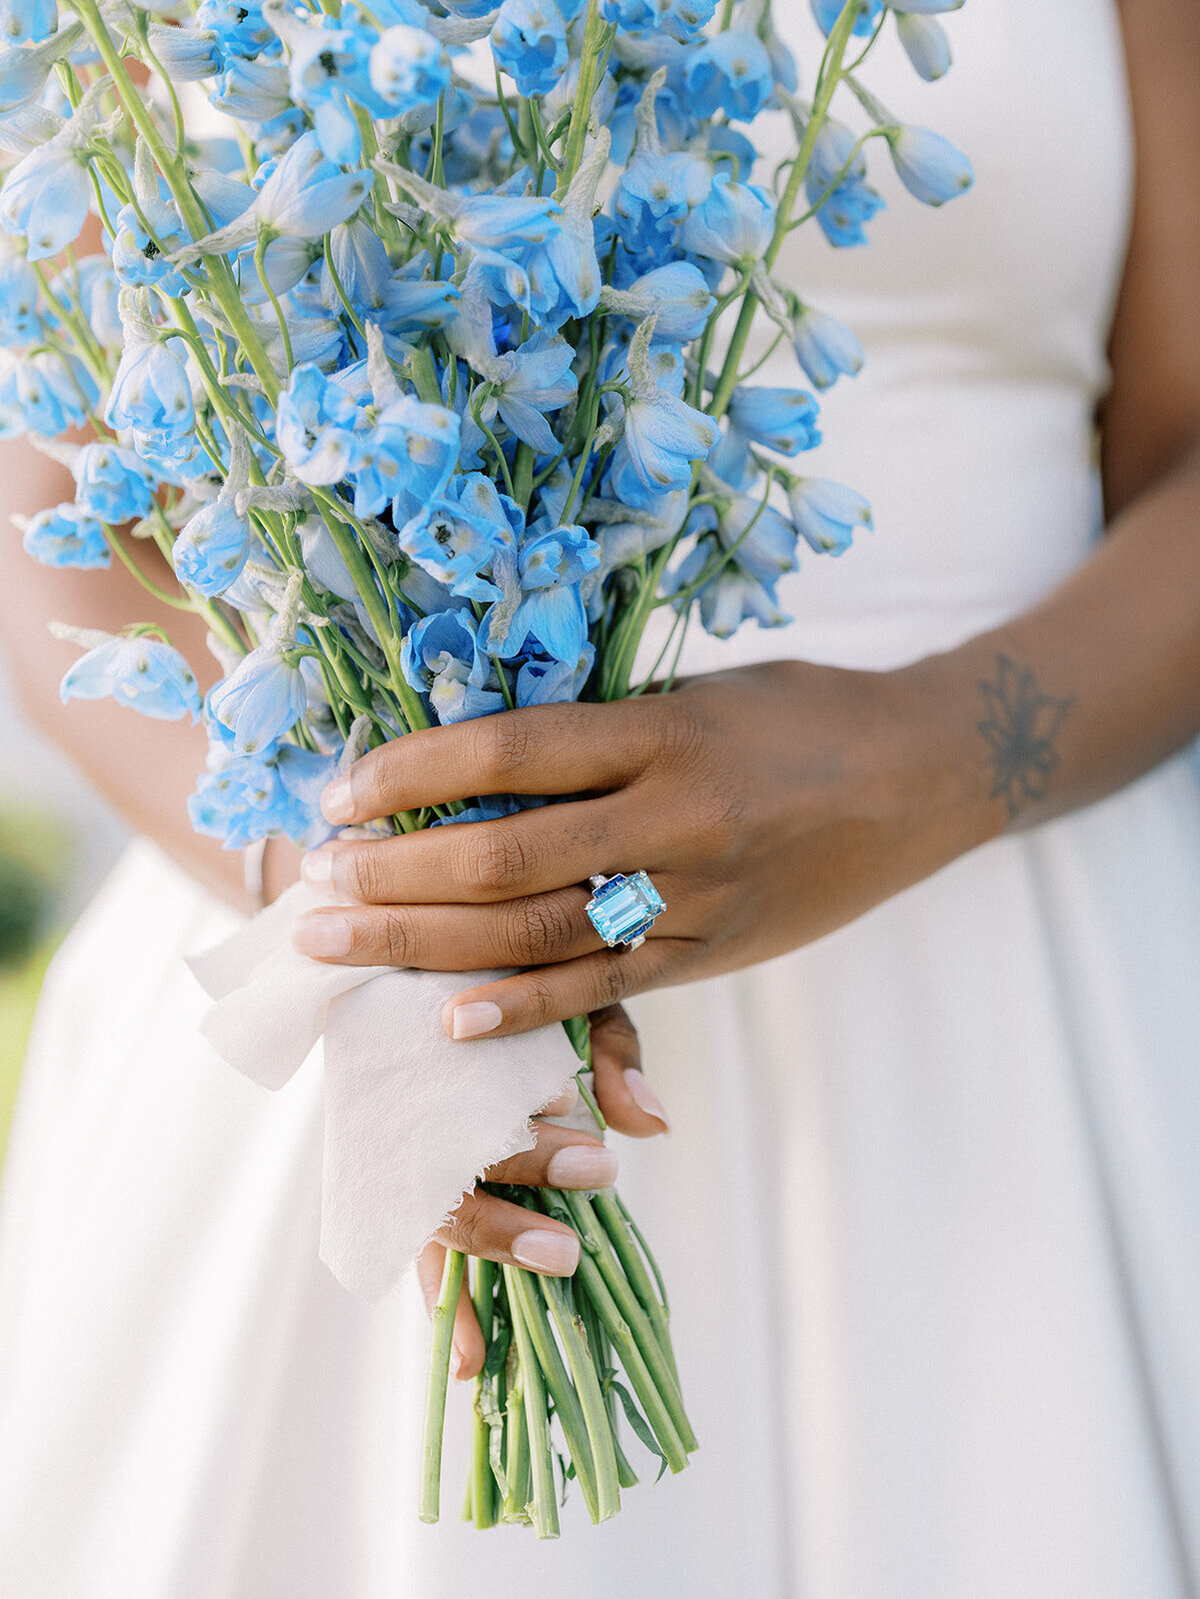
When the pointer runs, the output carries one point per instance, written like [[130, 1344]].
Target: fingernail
[[582, 1166], [557, 1253], [469, 1021], [644, 1096], [322, 934], [337, 801], [316, 868]]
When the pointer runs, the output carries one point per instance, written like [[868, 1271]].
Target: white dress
[[929, 1208]]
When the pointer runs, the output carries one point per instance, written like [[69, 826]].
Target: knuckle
[[398, 941], [540, 929], [465, 1228], [539, 1001], [506, 742], [363, 874], [718, 816], [497, 861], [681, 739], [610, 978]]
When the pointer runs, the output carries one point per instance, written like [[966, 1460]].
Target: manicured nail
[[337, 801], [322, 934], [644, 1096], [582, 1166], [469, 1021], [557, 1253], [316, 868]]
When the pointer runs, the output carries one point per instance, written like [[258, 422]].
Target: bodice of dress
[[984, 324]]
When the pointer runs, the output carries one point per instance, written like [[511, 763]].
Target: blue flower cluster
[[430, 381]]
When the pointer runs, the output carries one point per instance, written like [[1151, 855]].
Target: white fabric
[[412, 1119], [928, 1208]]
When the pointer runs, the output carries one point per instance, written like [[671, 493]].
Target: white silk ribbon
[[412, 1118]]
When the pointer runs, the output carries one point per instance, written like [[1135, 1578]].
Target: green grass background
[[44, 846]]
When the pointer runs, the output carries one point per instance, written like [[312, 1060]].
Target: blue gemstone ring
[[623, 909]]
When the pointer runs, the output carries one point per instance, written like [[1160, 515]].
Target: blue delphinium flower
[[305, 195], [262, 698], [784, 420], [663, 434], [529, 42], [256, 91], [91, 283], [730, 72], [141, 673], [139, 259], [239, 25], [850, 201], [67, 536], [45, 199], [553, 682], [44, 393], [827, 514], [824, 347], [112, 484], [828, 11], [441, 657], [152, 398], [234, 800], [551, 566], [455, 537], [655, 193], [733, 225], [32, 20], [212, 547], [315, 427], [405, 457], [19, 319], [683, 19], [409, 68], [676, 296], [930, 167], [925, 43], [528, 382]]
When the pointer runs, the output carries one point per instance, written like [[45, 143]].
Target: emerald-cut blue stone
[[624, 908]]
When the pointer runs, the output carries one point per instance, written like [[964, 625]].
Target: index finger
[[544, 749]]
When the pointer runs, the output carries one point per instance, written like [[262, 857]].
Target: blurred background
[[58, 839]]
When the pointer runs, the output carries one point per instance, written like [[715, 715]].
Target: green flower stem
[[657, 1404], [597, 36], [647, 1322], [439, 1373], [527, 1305], [601, 1352], [573, 1339], [537, 1422], [831, 74], [516, 1443], [483, 1483]]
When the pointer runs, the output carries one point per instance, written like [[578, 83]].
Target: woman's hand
[[769, 804], [491, 1227]]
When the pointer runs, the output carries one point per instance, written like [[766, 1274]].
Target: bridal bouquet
[[425, 366]]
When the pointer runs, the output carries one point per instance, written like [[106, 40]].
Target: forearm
[[145, 768], [1093, 687]]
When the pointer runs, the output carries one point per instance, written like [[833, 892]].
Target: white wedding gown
[[929, 1211]]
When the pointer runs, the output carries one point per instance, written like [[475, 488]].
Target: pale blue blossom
[[112, 484], [152, 398], [824, 347], [441, 658], [262, 699], [141, 673], [827, 514], [212, 547], [68, 535], [930, 167]]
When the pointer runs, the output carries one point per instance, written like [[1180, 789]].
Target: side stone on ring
[[623, 908]]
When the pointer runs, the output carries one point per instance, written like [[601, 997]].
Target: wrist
[[939, 708]]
